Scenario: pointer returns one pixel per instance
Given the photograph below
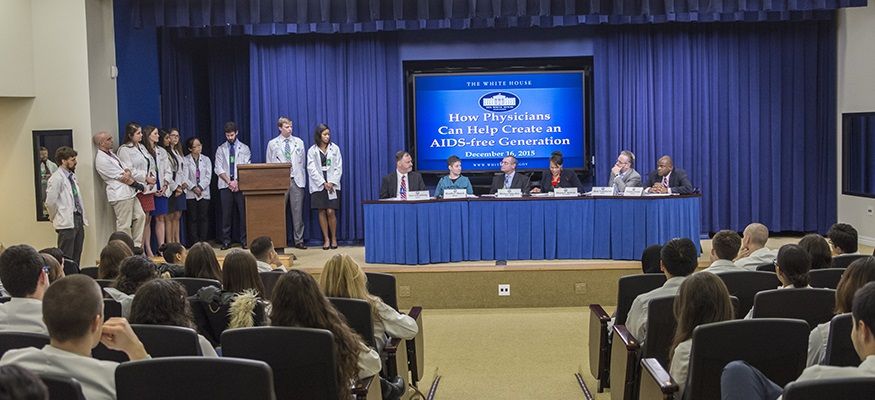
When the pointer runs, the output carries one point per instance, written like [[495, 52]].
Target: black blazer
[[678, 181], [567, 179], [519, 181], [389, 186]]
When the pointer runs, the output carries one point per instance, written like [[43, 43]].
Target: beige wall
[[16, 43], [856, 93], [72, 90]]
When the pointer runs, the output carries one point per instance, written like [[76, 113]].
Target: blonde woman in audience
[[133, 273], [298, 302], [165, 302], [111, 257], [701, 299], [858, 274], [343, 277], [792, 266]]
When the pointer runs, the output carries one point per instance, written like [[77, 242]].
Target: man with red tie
[[403, 180], [668, 179]]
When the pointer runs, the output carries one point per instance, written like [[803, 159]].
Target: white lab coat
[[59, 200], [275, 154], [206, 168], [314, 168]]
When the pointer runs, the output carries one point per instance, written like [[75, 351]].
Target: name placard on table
[[455, 193], [509, 193], [633, 191], [565, 192], [602, 191], [418, 195]]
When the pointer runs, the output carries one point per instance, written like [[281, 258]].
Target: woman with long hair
[[343, 277], [857, 275], [176, 203], [134, 271], [702, 299], [201, 262], [134, 153], [111, 257], [298, 302], [325, 168], [818, 249], [165, 302], [199, 169], [240, 273], [164, 187]]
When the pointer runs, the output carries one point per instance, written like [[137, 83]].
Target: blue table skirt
[[543, 229]]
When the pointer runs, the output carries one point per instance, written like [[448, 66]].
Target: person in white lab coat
[[286, 148], [325, 167], [199, 170], [65, 205], [229, 155]]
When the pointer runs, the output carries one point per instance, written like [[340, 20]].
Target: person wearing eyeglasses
[[623, 174], [25, 276], [509, 178]]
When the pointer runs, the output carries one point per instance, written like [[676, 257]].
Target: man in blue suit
[[668, 179]]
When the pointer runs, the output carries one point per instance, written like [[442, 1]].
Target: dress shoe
[[226, 246], [244, 246], [392, 389], [334, 246], [300, 246]]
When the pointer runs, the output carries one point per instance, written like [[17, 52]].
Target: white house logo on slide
[[499, 101]]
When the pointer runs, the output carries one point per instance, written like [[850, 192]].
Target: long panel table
[[529, 228]]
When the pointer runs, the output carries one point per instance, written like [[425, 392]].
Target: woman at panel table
[[558, 177], [454, 180]]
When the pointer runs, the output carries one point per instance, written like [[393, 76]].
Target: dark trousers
[[230, 202], [196, 218], [70, 240], [744, 382]]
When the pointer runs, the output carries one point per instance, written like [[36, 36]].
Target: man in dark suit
[[509, 179], [668, 179], [402, 181]]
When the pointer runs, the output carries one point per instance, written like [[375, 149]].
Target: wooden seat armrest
[[414, 312], [654, 370], [598, 311], [392, 346], [628, 339], [362, 387]]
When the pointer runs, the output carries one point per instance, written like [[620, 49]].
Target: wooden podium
[[264, 186]]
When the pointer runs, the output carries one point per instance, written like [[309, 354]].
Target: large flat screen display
[[482, 117]]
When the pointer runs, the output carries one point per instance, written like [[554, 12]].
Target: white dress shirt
[[60, 201], [721, 266], [817, 340], [758, 257], [205, 166], [680, 365], [276, 153], [111, 168], [636, 322], [819, 372], [392, 324], [164, 171], [97, 377], [223, 160], [314, 167], [22, 314], [369, 362]]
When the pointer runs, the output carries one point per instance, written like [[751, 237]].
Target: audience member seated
[[844, 242], [650, 259], [55, 270], [298, 302], [58, 255], [124, 237], [342, 277], [24, 276], [702, 299], [741, 381], [791, 266], [668, 179], [724, 247], [174, 256], [818, 248], [201, 262], [678, 261], [509, 178], [858, 274], [753, 251], [165, 302], [17, 383], [111, 257], [557, 177], [73, 313], [266, 257], [133, 273], [240, 295], [453, 180]]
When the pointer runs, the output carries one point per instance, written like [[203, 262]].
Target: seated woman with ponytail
[[792, 267]]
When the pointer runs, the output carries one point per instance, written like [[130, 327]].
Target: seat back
[[111, 308], [62, 387], [844, 261], [358, 316], [192, 285], [746, 284], [814, 306], [89, 271], [777, 347], [186, 378], [212, 318], [105, 283], [769, 267], [5, 299], [383, 286], [70, 267], [19, 340], [168, 341], [839, 348], [833, 389], [629, 287], [304, 358], [268, 280], [661, 325], [826, 278]]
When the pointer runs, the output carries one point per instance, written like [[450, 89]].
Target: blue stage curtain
[[268, 17], [350, 83], [748, 110]]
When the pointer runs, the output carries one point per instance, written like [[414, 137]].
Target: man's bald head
[[666, 159], [756, 235], [102, 140]]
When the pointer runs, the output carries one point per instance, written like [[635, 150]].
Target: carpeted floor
[[523, 353]]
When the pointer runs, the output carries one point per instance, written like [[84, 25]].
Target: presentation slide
[[484, 117]]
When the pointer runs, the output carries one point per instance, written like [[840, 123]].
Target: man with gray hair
[[754, 252], [623, 174], [121, 189]]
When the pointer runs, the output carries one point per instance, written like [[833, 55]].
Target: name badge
[[455, 193], [509, 193], [633, 191], [565, 192], [418, 195], [603, 191]]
